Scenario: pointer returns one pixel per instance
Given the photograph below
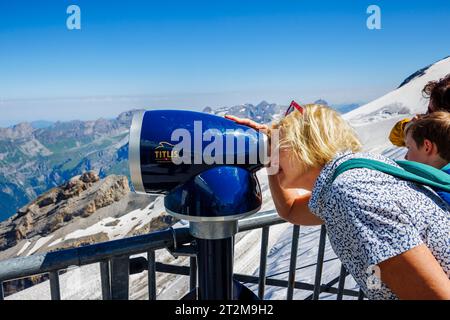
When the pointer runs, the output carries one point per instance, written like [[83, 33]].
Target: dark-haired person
[[428, 142], [439, 94]]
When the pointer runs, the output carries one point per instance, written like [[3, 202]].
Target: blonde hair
[[316, 135]]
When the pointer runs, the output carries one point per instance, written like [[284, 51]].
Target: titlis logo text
[[164, 153]]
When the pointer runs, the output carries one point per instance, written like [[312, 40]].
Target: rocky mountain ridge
[[80, 197], [34, 160]]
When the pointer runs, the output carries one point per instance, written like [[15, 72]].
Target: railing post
[[151, 275], [361, 295], [341, 284], [192, 273], [2, 296], [120, 270], [293, 262], [263, 262], [54, 285], [319, 266], [105, 280]]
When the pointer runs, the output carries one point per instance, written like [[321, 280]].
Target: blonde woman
[[375, 222]]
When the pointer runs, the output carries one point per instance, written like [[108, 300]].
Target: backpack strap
[[410, 171]]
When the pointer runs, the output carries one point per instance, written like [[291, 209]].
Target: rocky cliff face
[[84, 210], [34, 160], [80, 197], [21, 130]]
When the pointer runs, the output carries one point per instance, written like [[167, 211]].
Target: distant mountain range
[[41, 124], [265, 112], [33, 160], [37, 156]]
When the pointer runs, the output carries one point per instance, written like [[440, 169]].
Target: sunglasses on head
[[294, 105]]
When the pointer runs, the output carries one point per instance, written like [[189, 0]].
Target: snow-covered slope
[[408, 96], [374, 120]]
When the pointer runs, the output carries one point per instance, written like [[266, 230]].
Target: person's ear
[[428, 146]]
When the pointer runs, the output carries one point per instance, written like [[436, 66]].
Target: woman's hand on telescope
[[254, 125], [248, 123]]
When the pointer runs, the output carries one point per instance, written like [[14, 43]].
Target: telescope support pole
[[215, 269]]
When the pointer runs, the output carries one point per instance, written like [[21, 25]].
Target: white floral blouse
[[371, 216]]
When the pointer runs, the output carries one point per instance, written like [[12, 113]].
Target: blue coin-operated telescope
[[205, 166]]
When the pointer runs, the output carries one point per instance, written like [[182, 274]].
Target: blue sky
[[192, 54]]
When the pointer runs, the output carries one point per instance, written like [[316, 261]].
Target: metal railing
[[116, 263]]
